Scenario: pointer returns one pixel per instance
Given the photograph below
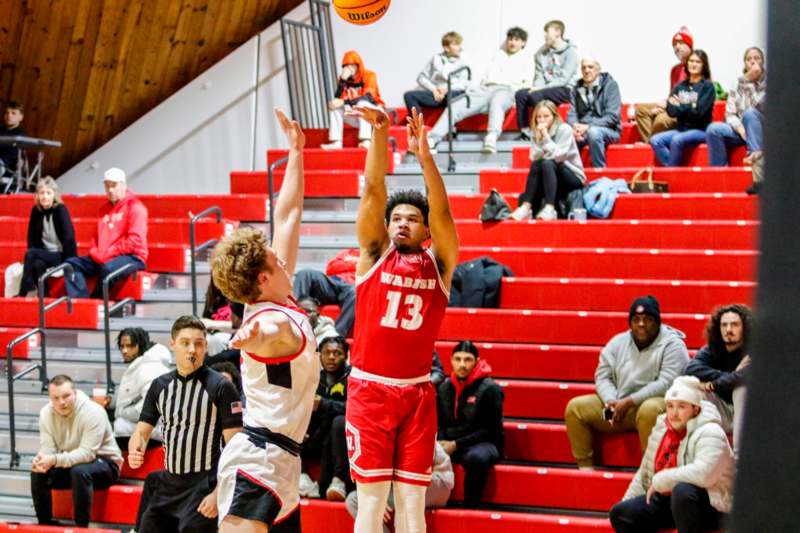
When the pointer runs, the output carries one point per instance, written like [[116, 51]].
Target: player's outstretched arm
[[370, 228], [289, 206], [440, 218], [270, 336]]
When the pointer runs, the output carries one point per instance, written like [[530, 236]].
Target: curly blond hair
[[236, 263]]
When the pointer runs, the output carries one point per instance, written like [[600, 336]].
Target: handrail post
[[451, 162], [10, 381], [49, 273], [194, 249], [110, 387], [271, 191]]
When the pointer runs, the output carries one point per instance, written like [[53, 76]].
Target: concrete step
[[17, 508], [81, 371], [27, 441], [16, 482]]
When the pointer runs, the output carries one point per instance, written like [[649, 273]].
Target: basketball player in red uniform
[[402, 290]]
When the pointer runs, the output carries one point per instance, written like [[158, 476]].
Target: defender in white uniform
[[259, 470]]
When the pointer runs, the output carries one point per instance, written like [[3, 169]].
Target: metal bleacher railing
[[67, 270], [108, 310], [451, 161], [195, 248], [310, 65], [11, 378]]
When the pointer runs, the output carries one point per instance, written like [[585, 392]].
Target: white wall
[[631, 38]]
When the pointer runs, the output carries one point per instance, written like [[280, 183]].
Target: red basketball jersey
[[400, 304]]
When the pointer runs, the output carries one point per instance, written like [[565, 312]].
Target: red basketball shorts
[[391, 431]]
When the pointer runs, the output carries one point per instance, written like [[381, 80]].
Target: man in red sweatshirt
[[120, 239], [470, 413]]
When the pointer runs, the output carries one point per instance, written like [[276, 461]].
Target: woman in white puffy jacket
[[686, 477], [146, 361]]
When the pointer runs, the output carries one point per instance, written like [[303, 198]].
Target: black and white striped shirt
[[194, 410]]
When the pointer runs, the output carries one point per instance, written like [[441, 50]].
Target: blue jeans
[[670, 146], [85, 266], [598, 138], [720, 136]]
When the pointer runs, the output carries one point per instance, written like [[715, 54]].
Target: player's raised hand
[[375, 116], [417, 134], [292, 130]]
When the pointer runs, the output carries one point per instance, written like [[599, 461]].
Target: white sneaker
[[335, 145], [366, 143], [307, 487], [336, 491], [523, 212], [490, 143], [433, 142], [548, 212]]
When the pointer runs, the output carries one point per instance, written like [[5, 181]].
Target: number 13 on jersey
[[412, 305]]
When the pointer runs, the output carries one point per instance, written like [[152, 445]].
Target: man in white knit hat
[[686, 477]]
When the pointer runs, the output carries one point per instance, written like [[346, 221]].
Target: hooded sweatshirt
[[704, 459], [438, 69], [604, 111], [363, 85], [79, 438], [509, 70], [121, 230], [719, 367], [561, 147], [471, 411], [624, 370], [133, 388], [557, 67]]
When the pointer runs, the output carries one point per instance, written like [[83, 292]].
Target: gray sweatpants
[[492, 99], [731, 414]]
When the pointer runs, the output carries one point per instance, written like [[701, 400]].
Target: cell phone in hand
[[608, 414]]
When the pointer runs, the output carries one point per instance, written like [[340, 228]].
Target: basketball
[[361, 11]]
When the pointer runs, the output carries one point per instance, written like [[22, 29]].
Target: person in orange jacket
[[120, 238], [356, 86]]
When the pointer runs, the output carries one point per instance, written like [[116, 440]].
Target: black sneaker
[[754, 188], [522, 137]]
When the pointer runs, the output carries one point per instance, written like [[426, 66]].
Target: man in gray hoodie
[[77, 450], [557, 71], [635, 370]]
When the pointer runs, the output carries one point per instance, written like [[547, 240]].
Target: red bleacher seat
[[153, 460], [162, 257], [319, 159], [318, 183], [680, 179], [117, 504], [24, 312], [590, 294], [20, 350], [680, 206]]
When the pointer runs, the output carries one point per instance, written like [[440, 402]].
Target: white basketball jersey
[[280, 390]]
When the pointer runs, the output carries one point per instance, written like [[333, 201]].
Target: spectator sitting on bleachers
[[653, 118], [77, 451], [120, 238], [635, 370], [12, 125], [470, 414], [356, 86], [556, 166], [219, 319], [691, 103], [436, 495], [51, 237], [557, 70], [722, 364], [686, 477], [323, 325], [433, 78], [335, 287], [184, 496], [509, 69], [325, 435], [744, 119], [146, 361], [594, 113]]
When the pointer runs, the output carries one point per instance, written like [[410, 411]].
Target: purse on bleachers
[[647, 185], [495, 208]]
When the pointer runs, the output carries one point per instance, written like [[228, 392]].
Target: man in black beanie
[[636, 368]]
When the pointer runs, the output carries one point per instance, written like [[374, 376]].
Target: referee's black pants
[[169, 503], [83, 479]]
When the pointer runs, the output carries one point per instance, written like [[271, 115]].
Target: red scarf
[[667, 454]]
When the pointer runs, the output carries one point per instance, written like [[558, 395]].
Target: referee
[[198, 407]]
